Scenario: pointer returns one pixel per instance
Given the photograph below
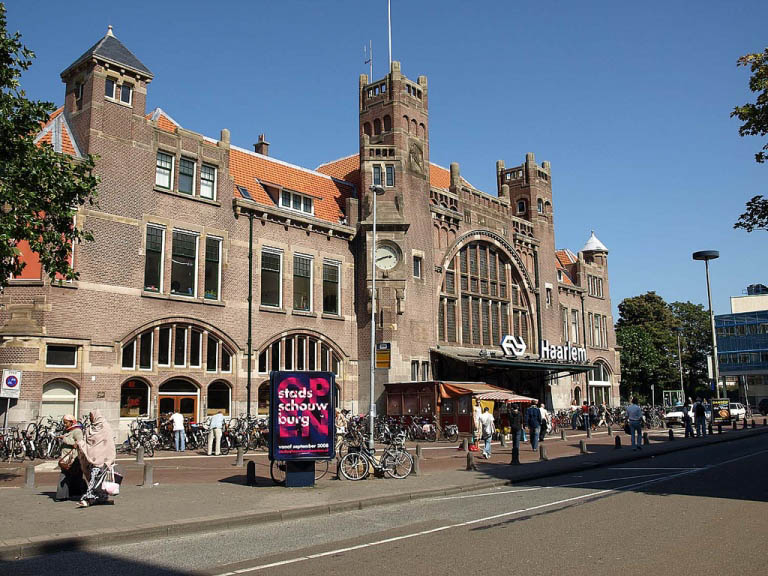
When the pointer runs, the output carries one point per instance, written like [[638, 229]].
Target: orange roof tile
[[56, 133], [249, 169], [164, 121], [563, 258]]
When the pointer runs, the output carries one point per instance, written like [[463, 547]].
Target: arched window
[[134, 398], [414, 128], [387, 123], [367, 128], [219, 398], [263, 398], [547, 207], [422, 130], [521, 206], [299, 352], [540, 206], [59, 398], [377, 126], [179, 395], [577, 395], [407, 123], [481, 300]]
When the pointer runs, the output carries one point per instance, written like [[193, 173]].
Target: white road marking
[[484, 494], [644, 468]]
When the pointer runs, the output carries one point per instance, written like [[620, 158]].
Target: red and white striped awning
[[503, 396]]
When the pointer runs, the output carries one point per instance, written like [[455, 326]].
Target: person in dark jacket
[[71, 483], [516, 426], [533, 419]]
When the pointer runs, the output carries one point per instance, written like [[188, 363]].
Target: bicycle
[[395, 461], [277, 470]]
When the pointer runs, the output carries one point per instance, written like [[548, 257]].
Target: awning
[[481, 391], [472, 356], [501, 396]]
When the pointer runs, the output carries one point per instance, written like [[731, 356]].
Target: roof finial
[[109, 30]]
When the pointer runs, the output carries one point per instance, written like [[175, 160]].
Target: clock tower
[[394, 157]]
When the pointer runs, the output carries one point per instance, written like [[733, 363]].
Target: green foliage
[[40, 190], [647, 332], [755, 123]]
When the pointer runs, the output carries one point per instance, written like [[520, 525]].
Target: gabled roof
[[164, 121], [58, 134], [255, 171], [594, 245], [566, 278], [111, 50], [566, 257]]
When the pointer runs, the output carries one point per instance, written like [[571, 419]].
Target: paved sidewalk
[[195, 494]]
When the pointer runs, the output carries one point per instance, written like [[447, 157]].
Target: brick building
[[158, 318]]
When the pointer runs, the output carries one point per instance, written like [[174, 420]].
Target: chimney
[[262, 146]]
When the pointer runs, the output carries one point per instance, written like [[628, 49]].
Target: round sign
[[11, 381]]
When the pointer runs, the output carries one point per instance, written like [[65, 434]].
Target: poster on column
[[302, 415]]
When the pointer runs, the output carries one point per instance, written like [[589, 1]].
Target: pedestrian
[[687, 419], [533, 419], [544, 422], [601, 412], [476, 412], [635, 417], [593, 416], [340, 423], [179, 437], [700, 418], [487, 428], [214, 432], [97, 452], [71, 483], [585, 415], [516, 427]]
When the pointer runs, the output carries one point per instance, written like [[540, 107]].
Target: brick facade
[[426, 212]]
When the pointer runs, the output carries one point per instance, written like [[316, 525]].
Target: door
[[184, 404]]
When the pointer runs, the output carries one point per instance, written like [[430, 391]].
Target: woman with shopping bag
[[71, 484], [97, 457]]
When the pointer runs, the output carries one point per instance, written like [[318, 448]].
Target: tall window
[[390, 175], [180, 347], [212, 354], [575, 326], [164, 347], [164, 171], [212, 268], [271, 280], [414, 370], [302, 283], [564, 321], [417, 266], [480, 296], [425, 371], [145, 351], [208, 182], [126, 93], [186, 176], [590, 329], [376, 175], [153, 265], [195, 343], [331, 273], [109, 87], [184, 264]]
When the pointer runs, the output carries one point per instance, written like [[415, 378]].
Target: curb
[[20, 548]]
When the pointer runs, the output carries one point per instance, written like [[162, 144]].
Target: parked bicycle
[[394, 462]]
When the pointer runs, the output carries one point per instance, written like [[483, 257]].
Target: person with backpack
[[700, 418], [533, 419]]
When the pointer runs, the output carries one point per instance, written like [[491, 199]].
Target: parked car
[[763, 406], [738, 411], [674, 415]]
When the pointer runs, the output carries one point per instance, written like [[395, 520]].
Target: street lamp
[[708, 255], [377, 191], [680, 364]]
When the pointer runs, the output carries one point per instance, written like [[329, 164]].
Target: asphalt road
[[689, 512]]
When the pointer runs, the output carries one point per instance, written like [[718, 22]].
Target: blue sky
[[630, 103]]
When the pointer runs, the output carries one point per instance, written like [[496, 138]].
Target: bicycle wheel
[[453, 436], [277, 472], [354, 466], [397, 464], [321, 468], [226, 444], [431, 435], [42, 447], [149, 449]]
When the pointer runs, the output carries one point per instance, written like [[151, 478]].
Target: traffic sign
[[11, 385]]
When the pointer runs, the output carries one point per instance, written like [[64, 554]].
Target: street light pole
[[377, 191], [708, 255], [680, 363]]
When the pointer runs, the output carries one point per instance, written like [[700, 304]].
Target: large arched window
[[59, 398], [219, 398], [481, 300], [178, 395], [299, 352], [134, 398], [600, 383]]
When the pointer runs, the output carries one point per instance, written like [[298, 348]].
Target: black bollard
[[765, 421], [753, 422], [543, 453], [563, 435], [465, 444], [515, 455], [709, 429], [589, 432], [647, 442], [250, 473], [416, 471], [418, 452], [582, 446], [745, 423], [239, 461], [29, 476], [735, 425], [140, 455], [148, 475], [610, 430], [503, 440], [719, 428], [617, 442], [471, 461], [671, 434]]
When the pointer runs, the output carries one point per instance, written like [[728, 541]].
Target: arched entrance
[[59, 398], [179, 395]]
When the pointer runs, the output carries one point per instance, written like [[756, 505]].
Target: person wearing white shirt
[[635, 417], [179, 438], [214, 432], [544, 421], [487, 427]]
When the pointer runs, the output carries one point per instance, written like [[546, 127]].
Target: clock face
[[386, 257]]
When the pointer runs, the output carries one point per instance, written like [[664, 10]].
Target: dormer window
[[298, 202]]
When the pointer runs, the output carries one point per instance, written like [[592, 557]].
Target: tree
[[755, 123], [640, 362], [696, 345], [40, 189]]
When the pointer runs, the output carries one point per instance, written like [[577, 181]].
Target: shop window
[[134, 399], [410, 404], [219, 395], [63, 356], [394, 405], [447, 406]]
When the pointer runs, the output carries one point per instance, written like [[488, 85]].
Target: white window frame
[[194, 175], [218, 287], [61, 365], [387, 168], [301, 198], [130, 94], [115, 84], [213, 185], [216, 367], [132, 367], [200, 348], [186, 347], [170, 347], [266, 361], [197, 261], [337, 264], [221, 355], [137, 351], [373, 175], [162, 254], [279, 253], [173, 167], [311, 279], [420, 261]]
